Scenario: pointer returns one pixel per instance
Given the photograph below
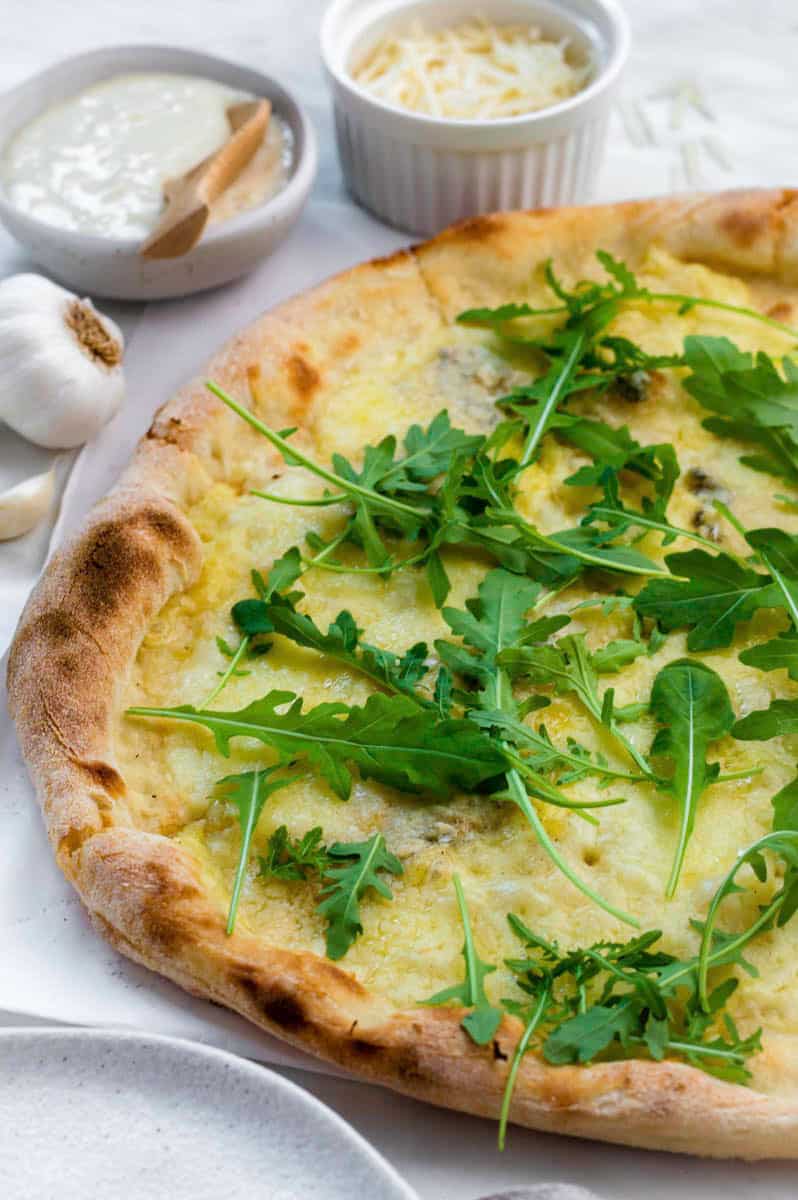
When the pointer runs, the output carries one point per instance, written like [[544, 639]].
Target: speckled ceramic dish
[[91, 1113], [105, 266]]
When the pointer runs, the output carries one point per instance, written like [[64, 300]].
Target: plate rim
[[255, 1071]]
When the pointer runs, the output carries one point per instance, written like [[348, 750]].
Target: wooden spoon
[[189, 197]]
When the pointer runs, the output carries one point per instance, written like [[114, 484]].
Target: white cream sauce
[[97, 162]]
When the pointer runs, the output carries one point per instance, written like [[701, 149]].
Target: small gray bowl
[[112, 267]]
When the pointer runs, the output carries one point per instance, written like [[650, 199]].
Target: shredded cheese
[[472, 71]]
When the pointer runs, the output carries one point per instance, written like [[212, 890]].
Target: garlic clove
[[61, 376], [23, 506]]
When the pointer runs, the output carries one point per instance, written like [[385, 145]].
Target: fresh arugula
[[492, 626], [581, 341], [390, 739], [284, 572], [483, 1018], [569, 667], [753, 401], [614, 449], [632, 997], [353, 869], [779, 719], [782, 842], [779, 653], [652, 517], [248, 792], [346, 871], [342, 642], [710, 595], [690, 702], [293, 859]]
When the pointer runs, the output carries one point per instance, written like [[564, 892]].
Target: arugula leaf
[[628, 994], [484, 1018], [652, 517], [754, 402], [779, 719], [614, 450], [347, 870], [428, 454], [352, 872], [785, 807], [780, 653], [777, 550], [284, 571], [690, 701], [576, 761], [584, 1036], [389, 739], [342, 642], [293, 859], [782, 906], [714, 594], [249, 792], [631, 995], [493, 624], [569, 667]]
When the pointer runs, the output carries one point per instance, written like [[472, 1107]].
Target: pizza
[[425, 690]]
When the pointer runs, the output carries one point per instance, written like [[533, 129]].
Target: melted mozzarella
[[411, 946]]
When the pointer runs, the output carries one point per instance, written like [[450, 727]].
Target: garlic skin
[[26, 504], [61, 373]]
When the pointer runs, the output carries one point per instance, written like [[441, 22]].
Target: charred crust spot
[[475, 229], [285, 1011], [408, 1067], [498, 1053], [346, 345], [303, 376], [106, 777], [782, 311], [169, 431], [277, 1005], [391, 260], [743, 226], [364, 1049], [73, 841], [119, 555], [164, 925]]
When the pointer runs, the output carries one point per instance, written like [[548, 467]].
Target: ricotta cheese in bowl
[[97, 162]]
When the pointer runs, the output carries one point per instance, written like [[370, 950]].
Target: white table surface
[[744, 53]]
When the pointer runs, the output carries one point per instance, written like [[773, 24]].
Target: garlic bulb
[[23, 506], [60, 363]]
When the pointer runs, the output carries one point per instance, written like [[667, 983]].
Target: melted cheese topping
[[473, 71], [411, 946]]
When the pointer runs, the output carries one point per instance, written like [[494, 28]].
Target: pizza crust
[[83, 625]]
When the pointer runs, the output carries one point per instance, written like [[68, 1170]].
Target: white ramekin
[[422, 173]]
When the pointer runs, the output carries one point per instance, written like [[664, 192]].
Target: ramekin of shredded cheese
[[474, 71], [449, 108]]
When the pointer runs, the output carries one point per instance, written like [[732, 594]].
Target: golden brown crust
[[82, 627]]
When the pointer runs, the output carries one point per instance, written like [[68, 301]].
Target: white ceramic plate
[[97, 1113]]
